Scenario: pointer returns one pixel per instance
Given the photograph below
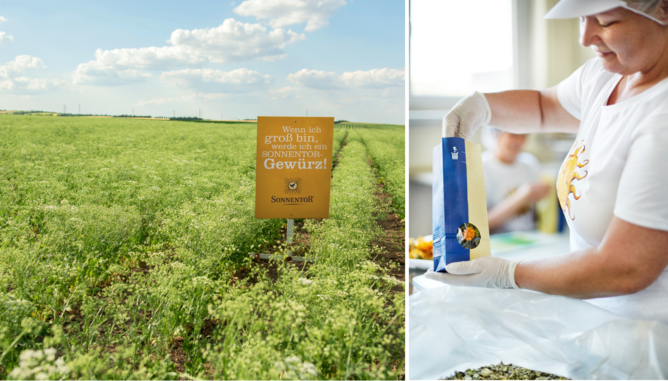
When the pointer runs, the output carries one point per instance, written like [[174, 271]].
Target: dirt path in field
[[337, 154], [392, 243], [392, 255]]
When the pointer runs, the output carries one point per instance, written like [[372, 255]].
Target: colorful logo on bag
[[292, 185], [455, 154], [468, 236], [567, 176]]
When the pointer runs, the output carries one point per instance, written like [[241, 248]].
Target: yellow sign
[[294, 167]]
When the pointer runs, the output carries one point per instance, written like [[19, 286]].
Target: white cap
[[576, 8]]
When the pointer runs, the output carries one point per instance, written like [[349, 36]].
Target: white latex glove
[[491, 272], [467, 116]]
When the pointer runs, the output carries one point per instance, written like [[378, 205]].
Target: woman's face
[[625, 41]]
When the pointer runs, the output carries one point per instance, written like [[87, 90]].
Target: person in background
[[613, 183], [512, 182]]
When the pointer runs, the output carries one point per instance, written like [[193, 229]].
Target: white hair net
[[648, 7], [578, 8]]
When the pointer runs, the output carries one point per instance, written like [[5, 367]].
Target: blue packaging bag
[[459, 214]]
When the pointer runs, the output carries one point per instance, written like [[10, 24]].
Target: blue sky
[[341, 58]]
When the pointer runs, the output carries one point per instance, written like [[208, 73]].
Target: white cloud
[[279, 13], [285, 93], [235, 41], [7, 84], [19, 64], [238, 80], [5, 37], [97, 73], [119, 66], [26, 62], [316, 79], [374, 78], [30, 84], [145, 58], [12, 80], [183, 99], [232, 41], [15, 82], [371, 79]]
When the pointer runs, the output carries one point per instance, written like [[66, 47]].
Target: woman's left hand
[[491, 272]]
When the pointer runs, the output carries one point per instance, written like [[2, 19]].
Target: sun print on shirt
[[568, 174]]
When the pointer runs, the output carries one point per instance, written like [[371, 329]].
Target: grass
[[386, 150], [124, 254]]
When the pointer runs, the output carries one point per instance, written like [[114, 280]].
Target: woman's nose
[[588, 31]]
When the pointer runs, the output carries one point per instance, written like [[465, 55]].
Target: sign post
[[293, 168], [291, 225]]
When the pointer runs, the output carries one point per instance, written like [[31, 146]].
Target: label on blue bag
[[453, 199], [455, 202]]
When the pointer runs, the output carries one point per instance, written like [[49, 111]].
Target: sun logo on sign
[[292, 185]]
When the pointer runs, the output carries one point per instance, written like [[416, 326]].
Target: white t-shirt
[[617, 165], [502, 179]]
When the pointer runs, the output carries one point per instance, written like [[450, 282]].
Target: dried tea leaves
[[503, 372]]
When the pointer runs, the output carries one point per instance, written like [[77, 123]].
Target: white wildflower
[[39, 365], [293, 368], [293, 359]]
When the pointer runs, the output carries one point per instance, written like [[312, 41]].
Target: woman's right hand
[[467, 116]]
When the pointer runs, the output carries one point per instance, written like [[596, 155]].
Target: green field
[[124, 254]]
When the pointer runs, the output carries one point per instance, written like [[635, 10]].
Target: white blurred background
[[457, 47]]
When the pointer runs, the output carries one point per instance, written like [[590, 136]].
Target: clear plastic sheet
[[456, 328]]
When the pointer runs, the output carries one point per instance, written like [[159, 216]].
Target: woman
[[612, 186]]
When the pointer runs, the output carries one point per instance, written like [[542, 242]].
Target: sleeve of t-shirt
[[570, 90], [642, 194]]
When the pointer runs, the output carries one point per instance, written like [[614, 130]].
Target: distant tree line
[[30, 112], [69, 114], [341, 121], [34, 112], [188, 118]]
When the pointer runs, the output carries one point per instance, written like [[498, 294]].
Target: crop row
[[339, 139], [386, 149], [343, 247]]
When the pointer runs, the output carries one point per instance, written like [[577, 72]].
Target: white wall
[[546, 52]]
